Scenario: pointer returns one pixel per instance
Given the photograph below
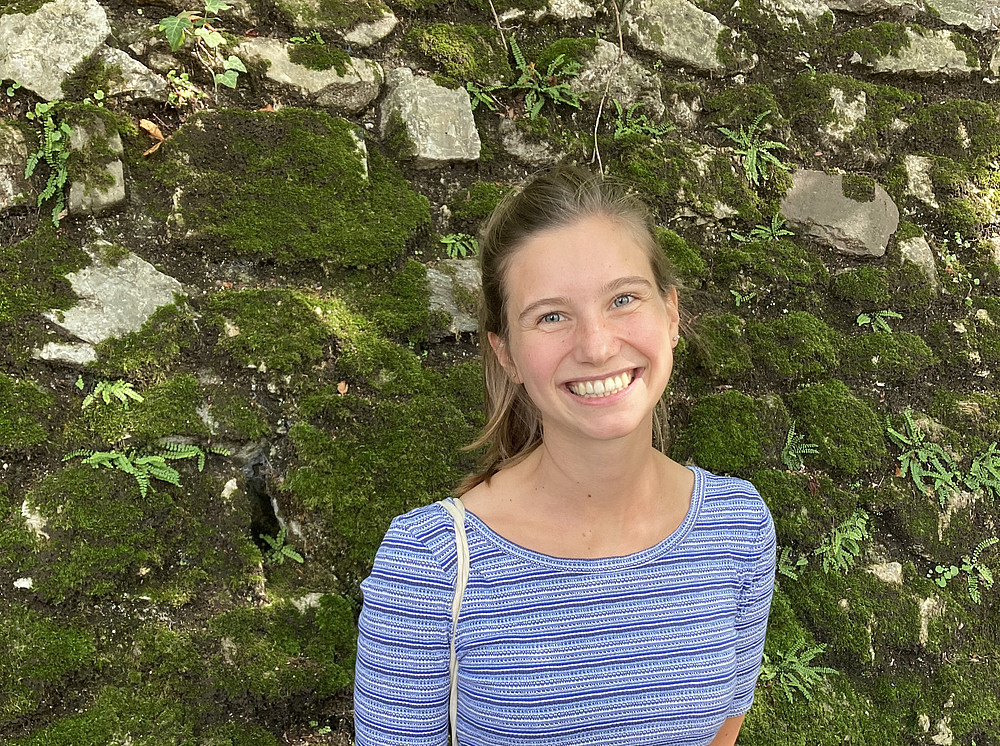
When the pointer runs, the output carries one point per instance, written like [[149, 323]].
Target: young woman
[[615, 596]]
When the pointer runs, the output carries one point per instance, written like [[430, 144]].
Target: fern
[[795, 448], [540, 88], [788, 567], [923, 459], [976, 571], [279, 550], [793, 671], [756, 151], [984, 474], [107, 390], [841, 548]]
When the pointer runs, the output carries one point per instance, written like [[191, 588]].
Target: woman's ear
[[673, 309], [499, 346]]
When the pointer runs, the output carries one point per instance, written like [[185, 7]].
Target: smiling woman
[[614, 596]]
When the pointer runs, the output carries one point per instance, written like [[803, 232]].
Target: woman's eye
[[623, 300], [550, 318]]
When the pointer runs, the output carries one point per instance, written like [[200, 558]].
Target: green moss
[[289, 186], [964, 44], [720, 346], [90, 76], [858, 187], [732, 432], [32, 281], [849, 436], [341, 14], [885, 355], [277, 329], [27, 7], [24, 414], [864, 285], [908, 230], [42, 659], [797, 346], [685, 258], [464, 52], [153, 352], [803, 508], [319, 57], [739, 106], [478, 201], [969, 412], [781, 266], [968, 194], [397, 304], [963, 130], [910, 286], [881, 39], [239, 418], [574, 49], [396, 140]]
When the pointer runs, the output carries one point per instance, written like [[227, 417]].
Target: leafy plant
[[788, 567], [279, 550], [877, 320], [548, 86], [628, 122], [190, 24], [145, 466], [841, 547], [756, 150], [182, 91], [923, 459], [460, 245], [984, 474], [795, 448], [793, 672], [772, 232], [53, 149], [314, 37], [976, 571], [483, 94], [742, 298], [107, 390], [12, 88]]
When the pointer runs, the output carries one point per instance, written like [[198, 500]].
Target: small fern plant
[[107, 390], [791, 568], [756, 150], [976, 572], [629, 123], [878, 320], [54, 151], [794, 449], [922, 459], [984, 474], [841, 548], [280, 551], [773, 232], [540, 87], [792, 670], [460, 245]]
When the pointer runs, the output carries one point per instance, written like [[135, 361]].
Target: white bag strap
[[456, 509]]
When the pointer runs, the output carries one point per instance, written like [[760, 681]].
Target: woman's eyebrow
[[610, 287]]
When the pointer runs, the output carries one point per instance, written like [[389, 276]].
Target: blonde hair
[[554, 198]]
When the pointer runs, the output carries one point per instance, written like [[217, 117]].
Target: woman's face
[[590, 336]]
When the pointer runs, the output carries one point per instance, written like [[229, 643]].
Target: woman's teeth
[[597, 389]]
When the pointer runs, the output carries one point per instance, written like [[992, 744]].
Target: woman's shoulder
[[428, 529], [731, 497]]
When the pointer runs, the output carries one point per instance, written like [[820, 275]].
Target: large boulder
[[676, 31], [437, 121], [817, 206], [42, 49], [351, 88]]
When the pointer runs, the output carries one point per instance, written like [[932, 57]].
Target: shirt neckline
[[599, 563]]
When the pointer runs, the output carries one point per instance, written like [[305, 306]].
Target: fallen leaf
[[153, 131], [269, 107], [342, 387]]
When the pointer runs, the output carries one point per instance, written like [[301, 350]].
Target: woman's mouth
[[604, 387]]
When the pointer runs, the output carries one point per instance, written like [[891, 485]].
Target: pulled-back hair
[[554, 198]]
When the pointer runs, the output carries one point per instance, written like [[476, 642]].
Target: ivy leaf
[[227, 78], [175, 27], [234, 63], [214, 6], [212, 39]]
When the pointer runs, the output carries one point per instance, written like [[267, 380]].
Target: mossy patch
[[858, 187], [803, 509], [27, 7], [478, 201], [398, 303], [153, 352], [684, 257], [464, 52], [24, 414], [574, 49], [238, 417], [290, 186], [739, 106], [276, 329], [340, 14], [848, 435], [781, 266], [964, 130], [89, 77], [798, 345], [720, 346], [862, 286], [880, 39], [887, 356], [732, 432], [319, 57]]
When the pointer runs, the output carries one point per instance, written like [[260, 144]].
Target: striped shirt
[[656, 647]]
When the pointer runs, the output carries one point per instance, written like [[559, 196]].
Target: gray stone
[[515, 142], [931, 53], [365, 34], [846, 114], [973, 14], [14, 188], [462, 273], [816, 205], [685, 113], [918, 179], [788, 12], [437, 120], [631, 83], [565, 10], [994, 66], [868, 7], [676, 31], [72, 353], [888, 572], [918, 252], [349, 92], [137, 80], [93, 194], [114, 299], [42, 49]]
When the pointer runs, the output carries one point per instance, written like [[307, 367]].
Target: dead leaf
[[153, 131], [342, 387], [269, 107]]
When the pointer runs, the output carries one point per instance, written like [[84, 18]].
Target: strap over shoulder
[[456, 509]]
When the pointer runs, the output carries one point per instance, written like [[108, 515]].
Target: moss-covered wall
[[180, 561]]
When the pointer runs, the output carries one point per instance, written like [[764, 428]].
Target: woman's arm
[[728, 732]]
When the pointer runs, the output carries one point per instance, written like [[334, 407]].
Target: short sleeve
[[751, 619], [401, 683]]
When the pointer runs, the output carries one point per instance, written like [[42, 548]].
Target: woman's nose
[[596, 341]]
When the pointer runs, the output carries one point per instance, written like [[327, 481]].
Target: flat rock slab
[[630, 82], [918, 252], [42, 49], [137, 80], [973, 14], [365, 34], [931, 53], [437, 120], [816, 205], [106, 188], [14, 188], [351, 91], [114, 299], [457, 273], [788, 11], [676, 31]]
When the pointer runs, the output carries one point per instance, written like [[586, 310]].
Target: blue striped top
[[656, 647]]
